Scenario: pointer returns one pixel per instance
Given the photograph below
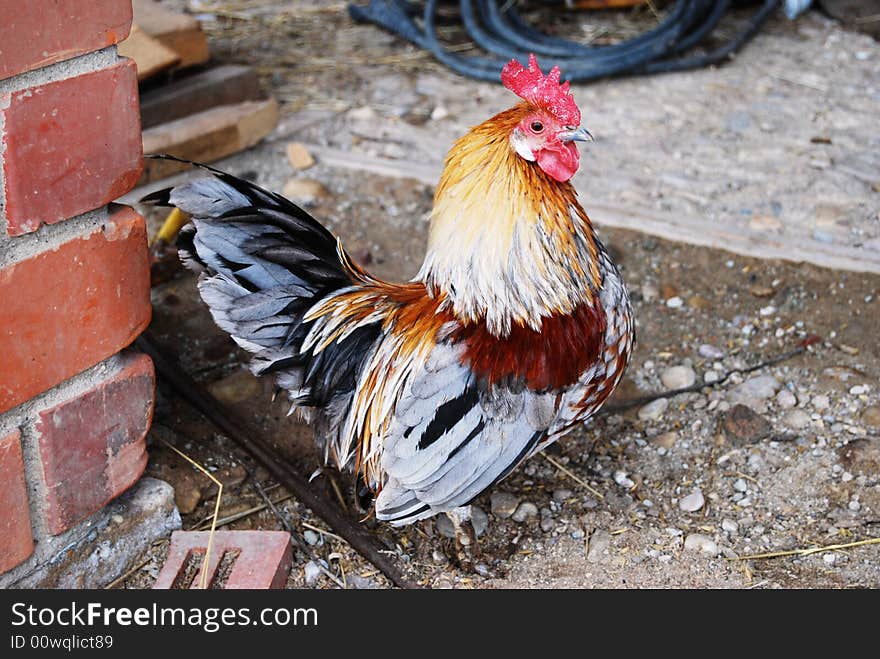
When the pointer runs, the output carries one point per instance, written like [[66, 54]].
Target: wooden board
[[150, 55], [671, 226], [179, 32], [208, 136], [222, 85]]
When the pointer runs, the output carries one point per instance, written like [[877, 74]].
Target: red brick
[[263, 560], [35, 33], [93, 446], [68, 309], [16, 541], [70, 146]]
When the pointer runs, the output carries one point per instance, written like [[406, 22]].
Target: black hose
[[499, 30]]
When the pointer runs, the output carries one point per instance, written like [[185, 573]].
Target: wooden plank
[[756, 244], [222, 85], [179, 32], [150, 55], [208, 135]]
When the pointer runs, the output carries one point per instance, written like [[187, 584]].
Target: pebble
[[362, 113], [311, 537], [299, 157], [692, 502], [600, 541], [785, 399], [561, 495], [653, 410], [759, 387], [859, 389], [312, 571], [700, 542], [674, 302], [729, 525], [871, 416], [711, 376], [796, 419], [677, 377], [547, 524], [742, 425], [821, 402], [524, 511], [503, 504], [479, 520], [710, 351], [740, 485], [439, 113], [578, 534], [666, 440], [621, 478], [303, 190]]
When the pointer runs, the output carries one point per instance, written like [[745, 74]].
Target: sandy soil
[[657, 496]]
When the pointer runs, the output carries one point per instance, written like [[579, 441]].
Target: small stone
[[524, 511], [547, 524], [117, 519], [729, 526], [710, 351], [762, 291], [650, 291], [854, 505], [692, 502], [710, 377], [653, 410], [702, 543], [363, 113], [304, 190], [796, 419], [561, 495], [697, 301], [769, 310], [821, 403], [621, 478], [758, 388], [678, 377], [600, 541], [578, 534], [674, 302], [311, 537], [444, 526], [785, 399], [740, 485], [829, 558], [666, 440], [503, 504], [479, 520], [439, 113], [299, 157], [859, 389], [312, 571], [871, 416], [742, 425], [238, 387]]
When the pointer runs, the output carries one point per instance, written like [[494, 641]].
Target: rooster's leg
[[465, 538]]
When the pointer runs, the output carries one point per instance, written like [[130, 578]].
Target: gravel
[[692, 502], [503, 504], [796, 419], [678, 377], [710, 351], [524, 511], [312, 572], [742, 425], [702, 543], [729, 526], [653, 410], [600, 541], [785, 399]]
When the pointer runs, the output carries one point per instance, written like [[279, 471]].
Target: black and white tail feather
[[264, 262]]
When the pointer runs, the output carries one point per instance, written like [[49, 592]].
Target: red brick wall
[[74, 274]]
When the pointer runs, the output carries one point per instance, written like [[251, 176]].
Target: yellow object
[[172, 226]]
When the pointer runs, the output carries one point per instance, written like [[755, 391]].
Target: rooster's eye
[[537, 126]]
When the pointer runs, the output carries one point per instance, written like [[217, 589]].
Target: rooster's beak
[[577, 135]]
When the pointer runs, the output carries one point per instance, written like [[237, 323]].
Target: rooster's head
[[550, 123]]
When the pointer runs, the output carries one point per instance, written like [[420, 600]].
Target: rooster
[[516, 329]]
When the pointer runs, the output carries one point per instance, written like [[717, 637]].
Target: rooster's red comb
[[543, 91]]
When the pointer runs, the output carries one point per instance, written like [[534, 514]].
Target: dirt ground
[[673, 494]]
